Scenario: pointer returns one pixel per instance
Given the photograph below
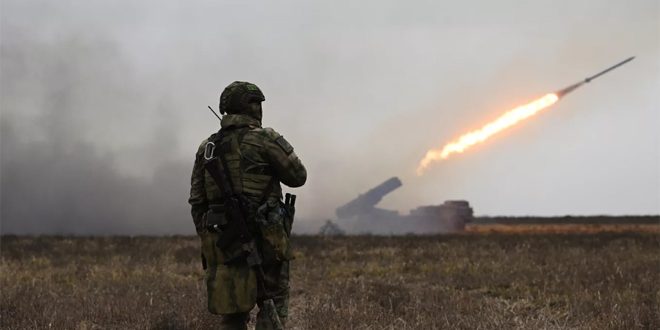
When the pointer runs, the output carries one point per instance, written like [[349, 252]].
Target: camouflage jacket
[[254, 156]]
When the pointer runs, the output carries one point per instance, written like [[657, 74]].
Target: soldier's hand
[[202, 226]]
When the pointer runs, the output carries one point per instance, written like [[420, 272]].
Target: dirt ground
[[478, 280]]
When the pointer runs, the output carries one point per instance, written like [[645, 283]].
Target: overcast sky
[[104, 104]]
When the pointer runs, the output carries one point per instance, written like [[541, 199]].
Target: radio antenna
[[214, 112]]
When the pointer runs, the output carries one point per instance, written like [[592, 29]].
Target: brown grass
[[562, 228], [471, 281]]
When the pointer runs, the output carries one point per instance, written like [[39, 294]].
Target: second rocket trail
[[571, 88]]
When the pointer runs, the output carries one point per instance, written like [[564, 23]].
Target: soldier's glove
[[202, 226], [214, 219]]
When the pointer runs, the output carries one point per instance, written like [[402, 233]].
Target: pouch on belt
[[271, 219]]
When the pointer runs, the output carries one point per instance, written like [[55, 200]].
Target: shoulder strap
[[217, 138], [217, 171]]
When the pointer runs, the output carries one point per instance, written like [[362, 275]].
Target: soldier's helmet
[[236, 97]]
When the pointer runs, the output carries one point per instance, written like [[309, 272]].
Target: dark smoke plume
[[54, 178]]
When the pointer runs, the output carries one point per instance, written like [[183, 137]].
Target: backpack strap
[[215, 140]]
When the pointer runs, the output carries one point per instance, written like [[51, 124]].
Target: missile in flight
[[560, 93]]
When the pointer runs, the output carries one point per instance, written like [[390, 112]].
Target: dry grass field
[[562, 228], [496, 280]]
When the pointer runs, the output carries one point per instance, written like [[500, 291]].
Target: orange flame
[[505, 121]]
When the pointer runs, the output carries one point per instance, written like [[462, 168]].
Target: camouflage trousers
[[232, 288], [277, 284]]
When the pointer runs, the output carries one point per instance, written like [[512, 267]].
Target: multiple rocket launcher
[[458, 212], [361, 215]]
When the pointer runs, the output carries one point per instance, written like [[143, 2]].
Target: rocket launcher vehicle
[[366, 202]]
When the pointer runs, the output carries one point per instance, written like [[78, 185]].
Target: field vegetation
[[480, 280]]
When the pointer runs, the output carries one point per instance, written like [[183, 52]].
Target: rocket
[[560, 93], [503, 122]]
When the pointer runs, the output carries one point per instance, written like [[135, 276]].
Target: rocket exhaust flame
[[505, 121]]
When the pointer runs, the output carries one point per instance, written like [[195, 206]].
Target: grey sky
[[361, 89]]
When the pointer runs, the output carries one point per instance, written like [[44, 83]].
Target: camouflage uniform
[[256, 157]]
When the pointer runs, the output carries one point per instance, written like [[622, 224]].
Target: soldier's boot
[[281, 307], [265, 323], [236, 321]]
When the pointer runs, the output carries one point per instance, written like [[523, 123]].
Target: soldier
[[256, 160]]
